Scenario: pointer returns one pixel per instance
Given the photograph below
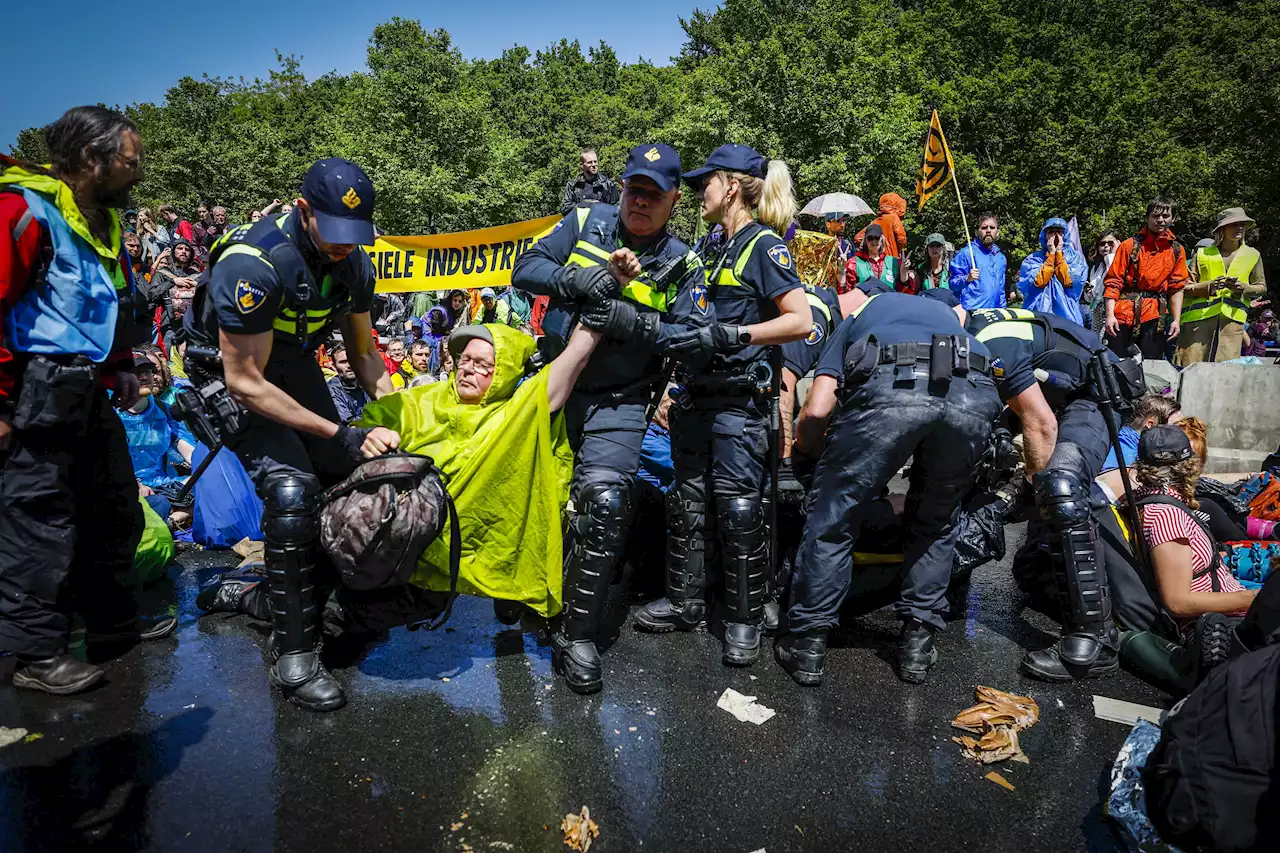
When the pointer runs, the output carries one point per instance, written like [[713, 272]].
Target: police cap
[[873, 287], [659, 163], [729, 158], [340, 195], [942, 294]]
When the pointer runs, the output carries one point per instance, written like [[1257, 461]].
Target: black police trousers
[[70, 517], [879, 426], [606, 431]]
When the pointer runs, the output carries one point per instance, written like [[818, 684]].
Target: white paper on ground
[[11, 736], [745, 708], [1118, 711]]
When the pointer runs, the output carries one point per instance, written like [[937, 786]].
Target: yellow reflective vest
[[1209, 265]]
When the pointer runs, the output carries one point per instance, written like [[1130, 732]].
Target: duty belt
[[907, 356]]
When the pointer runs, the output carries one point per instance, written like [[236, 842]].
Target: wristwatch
[[744, 336]]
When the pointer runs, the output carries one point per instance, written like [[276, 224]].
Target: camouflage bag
[[376, 523]]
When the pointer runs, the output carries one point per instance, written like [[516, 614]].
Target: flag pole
[[963, 221]]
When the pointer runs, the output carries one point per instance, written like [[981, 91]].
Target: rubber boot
[[802, 656], [916, 652], [684, 608]]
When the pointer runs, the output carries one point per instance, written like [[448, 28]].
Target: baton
[[1109, 398], [181, 497]]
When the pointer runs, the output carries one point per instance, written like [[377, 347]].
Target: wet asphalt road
[[462, 740]]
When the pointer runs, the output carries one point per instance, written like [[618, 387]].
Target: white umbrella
[[844, 204]]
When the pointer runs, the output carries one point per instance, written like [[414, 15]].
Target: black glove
[[351, 438], [802, 467], [589, 283], [707, 340], [619, 320]]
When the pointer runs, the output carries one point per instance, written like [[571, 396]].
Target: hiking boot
[[1049, 665], [802, 656], [305, 682], [579, 662], [236, 592], [61, 675], [741, 645], [1211, 644], [663, 617], [916, 652]]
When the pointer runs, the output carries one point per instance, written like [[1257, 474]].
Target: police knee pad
[[1062, 498], [740, 516], [684, 510], [291, 507], [604, 512]]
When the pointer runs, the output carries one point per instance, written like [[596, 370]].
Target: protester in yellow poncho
[[506, 460]]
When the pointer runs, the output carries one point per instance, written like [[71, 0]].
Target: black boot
[[236, 592], [745, 539], [1213, 643], [507, 612], [598, 531], [772, 615], [1054, 666], [916, 652], [684, 608], [61, 675], [290, 529], [107, 643], [802, 656]]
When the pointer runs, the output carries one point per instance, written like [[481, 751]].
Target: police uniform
[[268, 276], [606, 412], [801, 356], [890, 411], [1029, 347], [720, 442]]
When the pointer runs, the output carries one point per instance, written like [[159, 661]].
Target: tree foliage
[[1079, 107]]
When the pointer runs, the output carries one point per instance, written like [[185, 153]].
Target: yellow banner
[[464, 259], [937, 168]]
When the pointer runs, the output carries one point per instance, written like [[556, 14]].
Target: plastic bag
[[227, 508], [981, 537]]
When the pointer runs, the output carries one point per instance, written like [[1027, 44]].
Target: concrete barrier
[[1162, 375], [1240, 403]]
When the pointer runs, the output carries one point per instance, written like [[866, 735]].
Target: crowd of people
[[618, 356]]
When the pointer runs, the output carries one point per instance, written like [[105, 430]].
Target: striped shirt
[[1162, 523]]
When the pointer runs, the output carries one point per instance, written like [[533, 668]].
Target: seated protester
[[349, 398], [1190, 579], [493, 310], [520, 305], [419, 361], [157, 441], [656, 466], [414, 328], [394, 357], [172, 287], [1152, 410], [133, 247], [435, 333], [459, 308]]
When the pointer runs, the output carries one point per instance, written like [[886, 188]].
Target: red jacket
[[19, 261]]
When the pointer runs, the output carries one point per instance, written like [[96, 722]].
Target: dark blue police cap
[[660, 163], [945, 295], [873, 287], [729, 158], [341, 198]]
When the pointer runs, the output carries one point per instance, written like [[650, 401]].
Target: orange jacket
[[1162, 268], [892, 208]]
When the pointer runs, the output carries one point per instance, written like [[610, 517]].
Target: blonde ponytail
[[772, 198]]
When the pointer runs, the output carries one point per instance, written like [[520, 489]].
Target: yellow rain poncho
[[507, 464]]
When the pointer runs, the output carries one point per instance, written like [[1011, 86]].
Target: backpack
[[1266, 503], [1250, 561], [1252, 487], [1212, 782]]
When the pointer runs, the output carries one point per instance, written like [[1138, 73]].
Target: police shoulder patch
[[699, 295], [781, 256], [249, 296], [559, 225], [997, 368], [816, 334]]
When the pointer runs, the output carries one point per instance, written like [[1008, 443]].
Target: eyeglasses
[[474, 366]]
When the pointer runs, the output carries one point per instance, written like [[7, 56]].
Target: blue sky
[[84, 57]]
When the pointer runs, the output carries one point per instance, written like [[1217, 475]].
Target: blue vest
[[73, 309]]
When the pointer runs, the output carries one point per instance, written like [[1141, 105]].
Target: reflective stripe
[[640, 290], [592, 249], [1017, 330], [243, 249], [815, 301], [733, 277], [20, 227], [287, 320], [863, 306]]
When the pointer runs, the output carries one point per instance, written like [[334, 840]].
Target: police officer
[[901, 379], [271, 293], [618, 269], [798, 358], [719, 436], [1041, 364]]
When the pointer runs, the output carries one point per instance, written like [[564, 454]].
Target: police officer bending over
[[1041, 365], [901, 379], [619, 271], [719, 434], [268, 297]]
